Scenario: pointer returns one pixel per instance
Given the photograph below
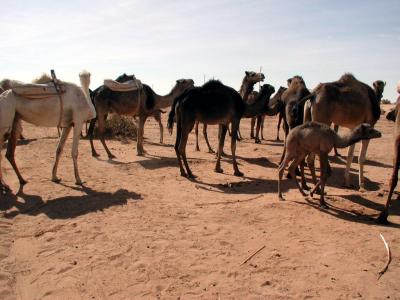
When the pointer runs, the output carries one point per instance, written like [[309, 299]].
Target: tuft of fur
[[43, 78]]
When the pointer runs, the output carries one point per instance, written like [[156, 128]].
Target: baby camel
[[318, 138]]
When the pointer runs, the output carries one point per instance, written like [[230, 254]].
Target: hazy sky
[[161, 41]]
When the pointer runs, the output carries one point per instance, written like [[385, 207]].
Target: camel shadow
[[342, 161], [346, 215], [261, 161], [161, 145], [157, 162], [250, 187], [66, 207]]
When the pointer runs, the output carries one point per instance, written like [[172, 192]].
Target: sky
[[162, 41]]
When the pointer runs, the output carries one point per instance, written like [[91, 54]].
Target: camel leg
[[75, 152], [382, 219], [210, 150], [252, 124], [361, 161], [323, 157], [292, 171], [139, 148], [90, 134], [278, 127], [258, 126], [101, 126], [235, 124], [196, 131], [60, 148], [350, 156], [311, 166], [221, 135], [157, 117], [177, 143], [281, 169], [4, 188], [303, 178], [187, 126], [12, 144], [262, 127], [336, 129]]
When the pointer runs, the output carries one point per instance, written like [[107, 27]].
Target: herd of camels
[[306, 117]]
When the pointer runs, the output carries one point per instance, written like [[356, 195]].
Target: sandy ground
[[139, 230]]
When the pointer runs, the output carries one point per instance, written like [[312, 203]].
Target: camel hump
[[127, 86]]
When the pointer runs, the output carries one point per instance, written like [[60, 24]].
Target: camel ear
[[247, 73]]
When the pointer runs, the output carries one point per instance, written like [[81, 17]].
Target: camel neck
[[345, 140], [166, 100], [245, 89]]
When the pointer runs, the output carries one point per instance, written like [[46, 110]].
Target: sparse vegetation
[[386, 101], [120, 127]]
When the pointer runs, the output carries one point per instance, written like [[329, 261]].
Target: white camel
[[76, 109]]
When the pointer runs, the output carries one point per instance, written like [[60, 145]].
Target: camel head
[[253, 77], [379, 87], [365, 131], [182, 85], [391, 115], [84, 77], [125, 78], [295, 81], [267, 90]]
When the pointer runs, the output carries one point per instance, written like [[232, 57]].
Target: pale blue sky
[[161, 41]]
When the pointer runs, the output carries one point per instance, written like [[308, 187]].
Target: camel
[[142, 102], [276, 103], [318, 138], [213, 103], [348, 103], [379, 87], [77, 108], [249, 80], [396, 163]]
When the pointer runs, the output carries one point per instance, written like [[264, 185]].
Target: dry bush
[[119, 127], [386, 101]]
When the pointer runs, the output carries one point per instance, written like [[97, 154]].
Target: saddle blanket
[[127, 86], [37, 91]]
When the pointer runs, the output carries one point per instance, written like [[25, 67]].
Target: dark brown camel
[[276, 108], [318, 138], [249, 80], [212, 103], [142, 103]]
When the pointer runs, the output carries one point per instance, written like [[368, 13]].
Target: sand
[[137, 230]]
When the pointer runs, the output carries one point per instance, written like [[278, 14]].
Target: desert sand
[[138, 230]]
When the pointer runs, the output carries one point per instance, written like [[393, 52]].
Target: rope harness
[[55, 82]]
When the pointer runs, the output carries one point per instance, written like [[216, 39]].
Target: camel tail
[[171, 115]]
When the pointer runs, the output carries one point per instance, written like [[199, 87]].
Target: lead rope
[[57, 87]]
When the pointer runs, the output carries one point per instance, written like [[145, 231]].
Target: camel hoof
[[140, 153], [323, 206], [23, 182], [362, 190], [191, 176], [95, 154], [257, 141], [306, 187], [56, 179], [281, 198], [219, 170], [183, 174], [382, 219], [79, 182], [238, 173], [211, 151], [197, 149], [112, 156]]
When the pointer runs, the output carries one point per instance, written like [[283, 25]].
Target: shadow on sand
[[67, 206], [353, 215]]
